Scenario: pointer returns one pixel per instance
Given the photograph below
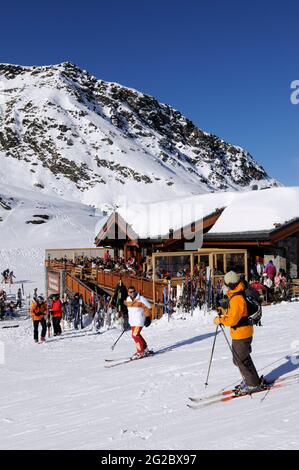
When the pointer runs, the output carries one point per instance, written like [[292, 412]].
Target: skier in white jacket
[[139, 310]]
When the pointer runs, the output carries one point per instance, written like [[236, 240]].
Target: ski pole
[[113, 346], [212, 353], [227, 339], [234, 354]]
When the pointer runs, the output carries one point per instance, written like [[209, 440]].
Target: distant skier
[[66, 309], [38, 311], [139, 316], [56, 312], [19, 298], [75, 309], [241, 332], [81, 310]]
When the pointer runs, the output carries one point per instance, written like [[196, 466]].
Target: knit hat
[[231, 278]]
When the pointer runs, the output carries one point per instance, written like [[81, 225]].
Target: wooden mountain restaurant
[[215, 243]]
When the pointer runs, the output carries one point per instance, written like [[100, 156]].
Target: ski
[[117, 359], [114, 363], [232, 391], [232, 397], [10, 326], [229, 395], [210, 397]]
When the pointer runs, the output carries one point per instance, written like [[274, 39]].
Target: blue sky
[[227, 65]]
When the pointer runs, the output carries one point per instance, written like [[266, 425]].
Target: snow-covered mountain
[[29, 219], [65, 132]]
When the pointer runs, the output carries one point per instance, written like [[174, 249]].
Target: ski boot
[[137, 355], [148, 352], [240, 389], [264, 383]]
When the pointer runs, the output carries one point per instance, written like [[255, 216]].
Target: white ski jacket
[[138, 309]]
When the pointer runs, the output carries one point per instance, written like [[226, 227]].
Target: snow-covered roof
[[243, 212], [258, 211], [154, 220]]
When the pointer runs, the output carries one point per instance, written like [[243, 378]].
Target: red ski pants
[[139, 340]]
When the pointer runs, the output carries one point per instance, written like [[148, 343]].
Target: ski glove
[[147, 321]]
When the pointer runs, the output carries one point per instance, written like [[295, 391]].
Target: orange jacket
[[38, 308], [236, 310]]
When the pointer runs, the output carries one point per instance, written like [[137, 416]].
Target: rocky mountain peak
[[63, 130]]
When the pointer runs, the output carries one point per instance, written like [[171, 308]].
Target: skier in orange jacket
[[38, 311], [236, 317]]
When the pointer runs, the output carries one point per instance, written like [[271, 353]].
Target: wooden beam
[[284, 232]]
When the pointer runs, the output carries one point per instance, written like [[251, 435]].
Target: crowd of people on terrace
[[107, 263], [264, 277]]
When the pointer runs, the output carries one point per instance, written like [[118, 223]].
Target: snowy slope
[[31, 221], [60, 396], [64, 131]]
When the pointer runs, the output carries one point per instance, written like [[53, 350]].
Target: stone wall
[[289, 245]]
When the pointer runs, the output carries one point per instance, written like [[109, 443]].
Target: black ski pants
[[56, 325], [43, 323]]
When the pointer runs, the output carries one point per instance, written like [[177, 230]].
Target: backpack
[[254, 308]]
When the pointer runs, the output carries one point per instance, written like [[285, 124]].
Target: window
[[235, 262]]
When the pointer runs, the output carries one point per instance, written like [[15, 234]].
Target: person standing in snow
[[19, 299], [140, 313], [76, 309], [38, 311], [66, 308], [56, 312], [241, 332], [2, 303]]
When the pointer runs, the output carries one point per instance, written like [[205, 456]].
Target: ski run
[[67, 394]]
